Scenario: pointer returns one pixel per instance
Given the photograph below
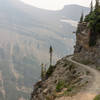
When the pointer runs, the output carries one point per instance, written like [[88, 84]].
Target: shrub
[[60, 86], [70, 89], [98, 67], [87, 72], [50, 71], [86, 62]]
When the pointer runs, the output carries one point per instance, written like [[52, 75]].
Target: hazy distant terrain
[[25, 36]]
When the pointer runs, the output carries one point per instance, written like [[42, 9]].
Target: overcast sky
[[56, 4]]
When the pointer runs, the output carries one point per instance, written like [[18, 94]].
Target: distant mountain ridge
[[77, 9]]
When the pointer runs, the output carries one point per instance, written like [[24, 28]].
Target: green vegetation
[[50, 71], [91, 8], [82, 17], [93, 18], [86, 62], [87, 72], [60, 86], [47, 73], [48, 97], [98, 68], [43, 72], [50, 51], [97, 97], [69, 89]]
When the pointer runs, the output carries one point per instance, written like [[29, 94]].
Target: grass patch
[[65, 65], [87, 72], [97, 97], [86, 62], [60, 86], [98, 67], [70, 89]]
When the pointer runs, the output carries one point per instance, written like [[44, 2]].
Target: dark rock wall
[[83, 52]]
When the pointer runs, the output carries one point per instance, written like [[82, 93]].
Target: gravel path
[[92, 90]]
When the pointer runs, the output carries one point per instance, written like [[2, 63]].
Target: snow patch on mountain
[[72, 22]]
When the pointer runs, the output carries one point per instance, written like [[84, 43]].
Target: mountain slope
[[77, 76], [69, 81], [25, 35]]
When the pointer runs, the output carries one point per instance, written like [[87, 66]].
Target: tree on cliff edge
[[43, 72], [91, 7], [82, 17], [97, 4], [93, 20], [50, 51]]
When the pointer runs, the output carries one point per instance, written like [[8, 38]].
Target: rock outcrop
[[67, 79], [83, 52]]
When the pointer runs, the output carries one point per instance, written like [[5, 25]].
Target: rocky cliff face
[[83, 52], [66, 80]]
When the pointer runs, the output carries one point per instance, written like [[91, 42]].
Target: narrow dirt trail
[[90, 91]]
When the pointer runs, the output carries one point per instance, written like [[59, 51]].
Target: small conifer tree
[[50, 51], [91, 8], [42, 71], [82, 17], [97, 4]]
